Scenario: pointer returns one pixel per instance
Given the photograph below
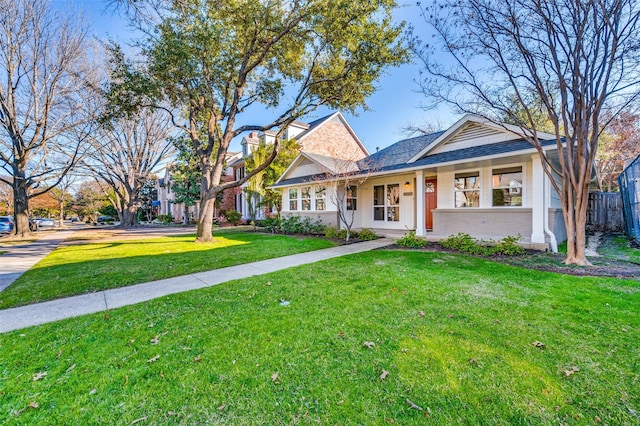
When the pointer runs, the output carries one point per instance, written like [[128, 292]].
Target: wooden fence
[[604, 212]]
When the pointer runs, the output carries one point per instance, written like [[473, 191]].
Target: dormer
[[250, 143], [295, 129]]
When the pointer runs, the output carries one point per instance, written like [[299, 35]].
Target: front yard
[[84, 268], [384, 337]]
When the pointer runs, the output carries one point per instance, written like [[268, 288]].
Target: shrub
[[290, 225], [310, 226], [508, 246], [410, 240], [367, 234], [165, 218], [233, 216], [464, 243], [271, 224], [333, 232]]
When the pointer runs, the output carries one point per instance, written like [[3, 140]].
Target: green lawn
[[618, 247], [455, 336], [85, 268]]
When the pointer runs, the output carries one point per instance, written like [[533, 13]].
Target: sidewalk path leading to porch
[[55, 310]]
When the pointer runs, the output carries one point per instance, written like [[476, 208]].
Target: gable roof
[[330, 166], [314, 125], [477, 121]]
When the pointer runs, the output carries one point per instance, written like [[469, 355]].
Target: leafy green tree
[[287, 152], [186, 176], [217, 59]]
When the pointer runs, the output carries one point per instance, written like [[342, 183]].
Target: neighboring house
[[476, 177], [165, 201], [330, 136]]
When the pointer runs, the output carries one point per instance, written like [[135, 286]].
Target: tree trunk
[[575, 223], [61, 216], [205, 221], [20, 206], [129, 216], [185, 220]]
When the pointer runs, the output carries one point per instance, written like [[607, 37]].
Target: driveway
[[20, 258]]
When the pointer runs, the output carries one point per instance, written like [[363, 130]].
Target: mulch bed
[[552, 262]]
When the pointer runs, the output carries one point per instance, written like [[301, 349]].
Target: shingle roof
[[395, 158], [400, 152], [465, 154]]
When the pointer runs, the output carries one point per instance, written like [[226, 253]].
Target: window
[[352, 198], [321, 196], [507, 187], [467, 189], [386, 204], [293, 199], [378, 202], [305, 197]]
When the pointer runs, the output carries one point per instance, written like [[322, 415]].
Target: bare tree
[[341, 178], [62, 193], [619, 143], [45, 76], [575, 57], [125, 153]]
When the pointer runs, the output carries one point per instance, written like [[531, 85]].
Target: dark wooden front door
[[430, 200]]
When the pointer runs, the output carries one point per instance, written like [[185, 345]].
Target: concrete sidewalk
[[21, 257], [55, 310]]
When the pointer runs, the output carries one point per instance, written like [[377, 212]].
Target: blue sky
[[395, 105]]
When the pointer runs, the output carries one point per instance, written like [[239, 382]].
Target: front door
[[430, 200]]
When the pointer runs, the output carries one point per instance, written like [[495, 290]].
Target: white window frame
[[351, 201], [307, 199], [323, 199], [387, 206], [510, 188], [293, 202], [463, 174]]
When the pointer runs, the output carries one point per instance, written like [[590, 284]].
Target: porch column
[[537, 200], [420, 209]]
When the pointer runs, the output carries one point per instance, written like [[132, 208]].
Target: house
[[476, 177], [330, 136], [167, 205]]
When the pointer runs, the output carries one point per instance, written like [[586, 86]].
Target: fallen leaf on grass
[[421, 313], [154, 359], [70, 368], [155, 340], [39, 376], [34, 404], [473, 361], [570, 371], [274, 377], [598, 419], [93, 391], [197, 359], [141, 419], [414, 406], [222, 407], [369, 345], [538, 344], [384, 374]]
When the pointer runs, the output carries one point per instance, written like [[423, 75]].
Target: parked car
[[6, 224], [105, 219], [33, 225], [45, 222]]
